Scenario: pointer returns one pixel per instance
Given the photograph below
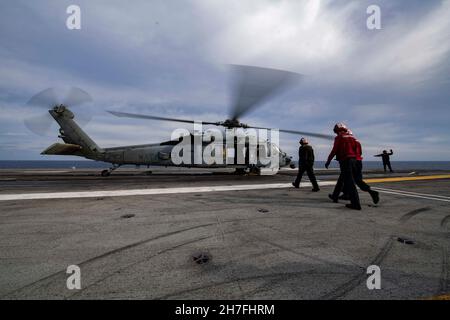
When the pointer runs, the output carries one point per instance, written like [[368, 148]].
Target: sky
[[171, 58]]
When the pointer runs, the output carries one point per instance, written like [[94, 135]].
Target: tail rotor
[[40, 121]]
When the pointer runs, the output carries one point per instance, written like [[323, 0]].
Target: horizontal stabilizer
[[63, 149]]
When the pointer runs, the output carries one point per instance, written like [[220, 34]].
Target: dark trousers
[[387, 164], [357, 177], [310, 171], [348, 168], [339, 187]]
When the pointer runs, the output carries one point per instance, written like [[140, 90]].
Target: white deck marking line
[[162, 191], [142, 192], [411, 195], [415, 193]]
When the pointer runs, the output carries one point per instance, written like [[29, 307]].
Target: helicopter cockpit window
[[275, 148], [263, 151]]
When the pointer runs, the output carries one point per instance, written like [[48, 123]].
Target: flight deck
[[202, 234]]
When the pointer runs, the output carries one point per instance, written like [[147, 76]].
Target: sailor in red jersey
[[345, 149], [357, 177]]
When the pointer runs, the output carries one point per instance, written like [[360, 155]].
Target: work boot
[[315, 190], [354, 207], [332, 198], [375, 196], [295, 186]]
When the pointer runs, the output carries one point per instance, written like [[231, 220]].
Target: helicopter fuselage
[[160, 154], [78, 143]]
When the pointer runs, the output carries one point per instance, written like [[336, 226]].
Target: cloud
[[168, 59], [304, 35]]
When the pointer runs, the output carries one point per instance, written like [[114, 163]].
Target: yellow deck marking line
[[409, 193], [399, 179], [441, 297]]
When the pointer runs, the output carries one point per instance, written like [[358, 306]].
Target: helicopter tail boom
[[77, 142]]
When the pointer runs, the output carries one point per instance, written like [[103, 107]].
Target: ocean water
[[83, 164], [51, 164]]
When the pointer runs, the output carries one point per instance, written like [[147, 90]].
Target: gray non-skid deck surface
[[261, 244]]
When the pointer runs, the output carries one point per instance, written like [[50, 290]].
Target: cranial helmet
[[340, 127]]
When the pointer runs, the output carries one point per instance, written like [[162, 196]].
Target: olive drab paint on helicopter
[[78, 143]]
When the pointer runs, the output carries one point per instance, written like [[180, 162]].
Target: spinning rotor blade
[[76, 97], [44, 99], [143, 116], [39, 124], [302, 133], [309, 134], [47, 99], [254, 85]]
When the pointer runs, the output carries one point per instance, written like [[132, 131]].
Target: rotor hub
[[233, 123], [59, 108]]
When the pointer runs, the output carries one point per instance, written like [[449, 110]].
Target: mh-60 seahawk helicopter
[[254, 85]]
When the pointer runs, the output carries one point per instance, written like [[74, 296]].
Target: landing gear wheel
[[106, 173]]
